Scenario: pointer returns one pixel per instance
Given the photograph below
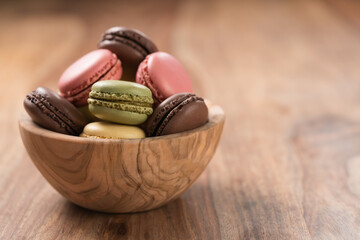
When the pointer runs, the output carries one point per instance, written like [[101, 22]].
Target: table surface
[[287, 75]]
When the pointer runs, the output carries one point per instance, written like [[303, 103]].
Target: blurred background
[[246, 44], [285, 72]]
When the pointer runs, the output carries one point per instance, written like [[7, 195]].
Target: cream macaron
[[106, 130]]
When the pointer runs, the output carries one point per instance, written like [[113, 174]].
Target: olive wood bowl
[[122, 175]]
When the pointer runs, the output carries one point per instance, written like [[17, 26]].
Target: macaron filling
[[111, 96], [123, 102], [141, 108]]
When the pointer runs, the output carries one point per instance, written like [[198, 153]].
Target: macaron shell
[[111, 131], [120, 102], [114, 73], [162, 110], [87, 70], [130, 46], [80, 99], [130, 58], [123, 87], [178, 113], [118, 116], [166, 75], [46, 118], [187, 117], [143, 78], [135, 39], [53, 112]]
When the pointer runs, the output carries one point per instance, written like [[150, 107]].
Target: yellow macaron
[[108, 130]]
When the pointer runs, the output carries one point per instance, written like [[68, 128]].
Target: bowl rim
[[216, 116]]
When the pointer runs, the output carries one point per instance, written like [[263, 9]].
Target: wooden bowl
[[121, 176]]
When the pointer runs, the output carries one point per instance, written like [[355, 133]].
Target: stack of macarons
[[124, 89]]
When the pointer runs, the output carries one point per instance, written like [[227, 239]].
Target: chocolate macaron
[[178, 113], [131, 47], [53, 112]]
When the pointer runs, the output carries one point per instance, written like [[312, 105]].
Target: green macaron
[[120, 101]]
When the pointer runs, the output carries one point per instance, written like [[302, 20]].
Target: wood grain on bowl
[[122, 175]]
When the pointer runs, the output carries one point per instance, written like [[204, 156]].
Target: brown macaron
[[131, 47], [178, 113], [51, 111]]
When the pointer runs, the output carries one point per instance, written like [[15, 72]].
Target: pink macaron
[[164, 75], [75, 83]]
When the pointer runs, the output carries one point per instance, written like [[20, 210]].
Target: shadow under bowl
[[122, 175]]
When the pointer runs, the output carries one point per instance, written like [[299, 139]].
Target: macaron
[[51, 111], [108, 130], [131, 47], [163, 75], [178, 113], [75, 83], [120, 101]]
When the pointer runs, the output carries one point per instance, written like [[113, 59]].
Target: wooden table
[[287, 74]]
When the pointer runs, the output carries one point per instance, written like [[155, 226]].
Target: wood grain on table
[[286, 73]]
